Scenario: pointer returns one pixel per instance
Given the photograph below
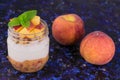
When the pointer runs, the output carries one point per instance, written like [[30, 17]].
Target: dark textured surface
[[64, 62]]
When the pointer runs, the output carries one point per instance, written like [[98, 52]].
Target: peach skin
[[97, 48], [67, 29]]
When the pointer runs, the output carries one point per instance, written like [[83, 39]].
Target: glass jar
[[28, 54]]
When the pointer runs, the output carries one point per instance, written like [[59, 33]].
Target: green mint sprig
[[23, 19]]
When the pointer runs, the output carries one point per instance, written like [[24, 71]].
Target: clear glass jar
[[28, 54]]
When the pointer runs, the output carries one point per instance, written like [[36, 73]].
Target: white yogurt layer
[[33, 51]]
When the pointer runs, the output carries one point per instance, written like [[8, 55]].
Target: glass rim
[[42, 22]]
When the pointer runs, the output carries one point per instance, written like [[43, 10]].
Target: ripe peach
[[67, 29], [36, 20], [97, 48]]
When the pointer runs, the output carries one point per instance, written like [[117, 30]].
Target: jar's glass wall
[[22, 49]]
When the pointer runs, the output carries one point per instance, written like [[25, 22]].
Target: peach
[[97, 48], [18, 28], [36, 20], [67, 29]]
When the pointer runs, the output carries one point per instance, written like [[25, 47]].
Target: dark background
[[65, 63]]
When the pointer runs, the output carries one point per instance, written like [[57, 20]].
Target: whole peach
[[67, 29], [97, 48]]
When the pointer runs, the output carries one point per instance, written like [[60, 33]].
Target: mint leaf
[[26, 17], [14, 22], [24, 23], [23, 19]]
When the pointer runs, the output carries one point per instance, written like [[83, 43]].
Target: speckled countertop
[[65, 63]]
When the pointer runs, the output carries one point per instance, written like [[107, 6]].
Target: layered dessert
[[28, 42]]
